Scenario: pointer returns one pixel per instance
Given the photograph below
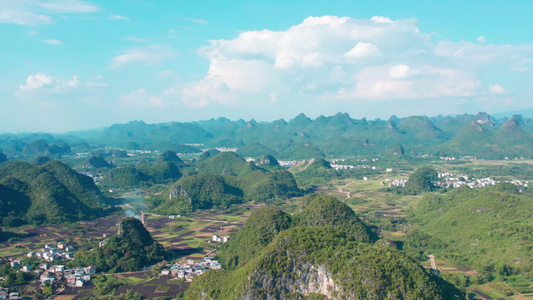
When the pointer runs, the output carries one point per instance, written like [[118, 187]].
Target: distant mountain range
[[480, 135]]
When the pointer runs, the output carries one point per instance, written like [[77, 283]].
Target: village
[[449, 180], [56, 274], [191, 268]]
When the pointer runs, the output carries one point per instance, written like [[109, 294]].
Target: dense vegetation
[[307, 262], [98, 161], [129, 176], [225, 179], [421, 181], [318, 210], [265, 223], [257, 232], [46, 194], [201, 191], [170, 156], [488, 229], [129, 250]]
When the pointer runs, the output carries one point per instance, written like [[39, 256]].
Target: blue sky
[[70, 64]]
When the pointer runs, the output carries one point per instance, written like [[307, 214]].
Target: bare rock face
[[309, 279], [177, 191]]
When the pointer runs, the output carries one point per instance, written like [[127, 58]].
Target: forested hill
[[130, 249], [489, 229], [50, 193], [278, 256], [479, 135], [266, 222], [224, 179]]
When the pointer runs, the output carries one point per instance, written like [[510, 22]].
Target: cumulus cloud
[[46, 84], [35, 12], [149, 55], [481, 39], [340, 58], [362, 50], [380, 19], [399, 71], [36, 81], [496, 89]]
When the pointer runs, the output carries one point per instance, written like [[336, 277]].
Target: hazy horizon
[[528, 114]]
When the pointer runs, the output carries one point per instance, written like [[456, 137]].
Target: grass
[[135, 279], [162, 288], [174, 281]]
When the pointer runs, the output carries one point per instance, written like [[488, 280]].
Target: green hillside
[[263, 185], [208, 190], [320, 263], [201, 191], [266, 222], [257, 232], [49, 194], [255, 150], [318, 210], [127, 251], [488, 229], [226, 163]]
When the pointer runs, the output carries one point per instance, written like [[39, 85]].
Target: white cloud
[[340, 58], [481, 39], [53, 42], [46, 84], [36, 81], [149, 55], [68, 6], [496, 89], [362, 50], [35, 12], [119, 17], [380, 19], [23, 17], [399, 71]]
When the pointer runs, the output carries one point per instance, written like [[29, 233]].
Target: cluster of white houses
[[218, 239], [191, 269], [449, 180], [77, 277], [52, 252], [58, 274], [394, 182]]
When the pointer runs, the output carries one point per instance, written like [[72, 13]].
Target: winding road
[[348, 193]]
